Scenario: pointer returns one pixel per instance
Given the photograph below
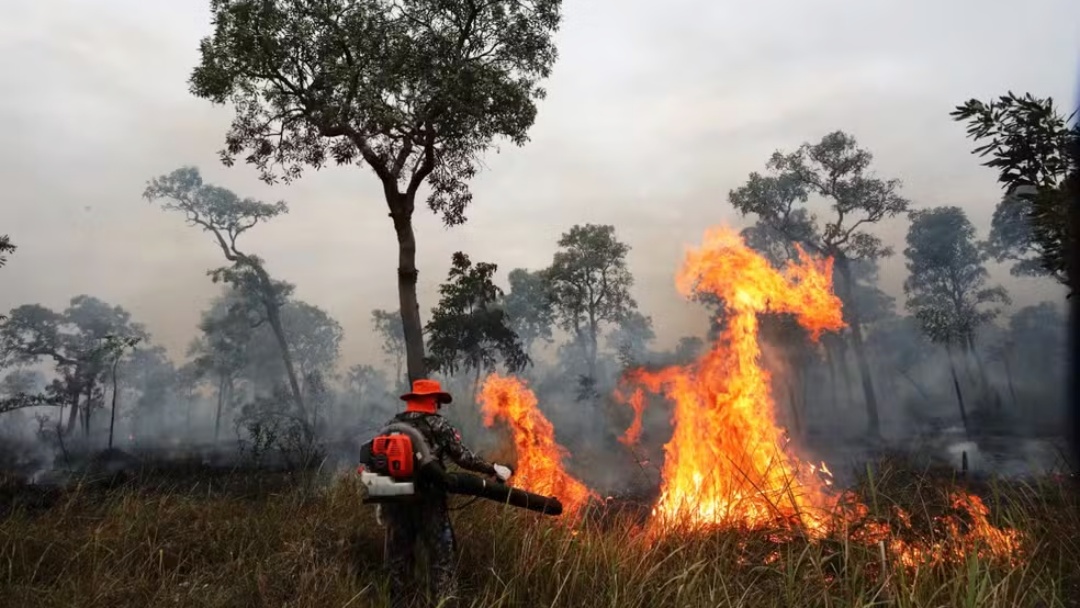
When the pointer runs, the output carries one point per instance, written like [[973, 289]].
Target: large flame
[[728, 461], [725, 463], [539, 458]]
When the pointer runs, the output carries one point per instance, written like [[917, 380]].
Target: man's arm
[[450, 438]]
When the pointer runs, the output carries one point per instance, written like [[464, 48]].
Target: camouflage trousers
[[427, 521]]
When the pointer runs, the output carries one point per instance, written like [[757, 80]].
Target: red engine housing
[[398, 451]]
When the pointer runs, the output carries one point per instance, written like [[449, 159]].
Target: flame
[[727, 463], [539, 458]]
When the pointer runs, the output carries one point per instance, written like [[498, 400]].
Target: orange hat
[[427, 388]]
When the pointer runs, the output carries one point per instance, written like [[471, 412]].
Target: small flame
[[539, 458]]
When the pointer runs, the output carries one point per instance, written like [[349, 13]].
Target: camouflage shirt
[[445, 441]]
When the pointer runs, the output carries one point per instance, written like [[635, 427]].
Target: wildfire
[[727, 462], [539, 457]]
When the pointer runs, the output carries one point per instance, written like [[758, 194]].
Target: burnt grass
[[189, 533]]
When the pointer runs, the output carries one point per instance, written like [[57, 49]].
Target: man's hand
[[502, 472]]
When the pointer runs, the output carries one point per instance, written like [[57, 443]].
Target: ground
[[194, 537]]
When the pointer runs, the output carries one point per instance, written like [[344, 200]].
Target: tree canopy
[[468, 329], [417, 90], [590, 285], [1029, 142], [528, 307], [947, 282]]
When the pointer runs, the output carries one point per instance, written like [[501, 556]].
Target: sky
[[655, 111]]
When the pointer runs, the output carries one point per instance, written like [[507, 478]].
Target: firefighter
[[427, 518]]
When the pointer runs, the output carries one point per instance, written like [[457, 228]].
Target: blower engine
[[398, 464]]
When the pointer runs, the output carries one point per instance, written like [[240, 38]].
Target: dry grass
[[282, 542]]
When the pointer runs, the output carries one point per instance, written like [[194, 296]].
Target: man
[[428, 519]]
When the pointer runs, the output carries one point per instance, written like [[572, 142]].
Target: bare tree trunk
[[112, 413], [220, 404], [1009, 378], [874, 423], [984, 380], [273, 315], [401, 212], [906, 376], [959, 394], [73, 415], [87, 409]]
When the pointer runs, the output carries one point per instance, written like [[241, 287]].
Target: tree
[[1029, 145], [114, 349], [837, 170], [314, 336], [226, 216], [224, 347], [390, 327], [417, 90], [946, 285], [156, 381], [468, 330], [631, 338], [78, 341], [590, 286], [528, 307]]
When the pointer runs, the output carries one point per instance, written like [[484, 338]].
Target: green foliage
[[468, 329], [589, 280], [81, 342], [1029, 143], [837, 169], [6, 247], [416, 89], [528, 307], [946, 286]]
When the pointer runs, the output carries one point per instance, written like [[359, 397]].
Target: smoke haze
[[654, 112]]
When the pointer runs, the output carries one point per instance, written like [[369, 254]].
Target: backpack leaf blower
[[397, 466]]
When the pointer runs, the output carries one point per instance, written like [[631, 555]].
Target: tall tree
[[947, 282], [837, 170], [226, 217], [417, 90], [590, 286], [1029, 143], [115, 347], [223, 348], [388, 325], [469, 330], [946, 285], [528, 307]]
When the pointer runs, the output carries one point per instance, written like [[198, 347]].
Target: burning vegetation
[[729, 463]]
